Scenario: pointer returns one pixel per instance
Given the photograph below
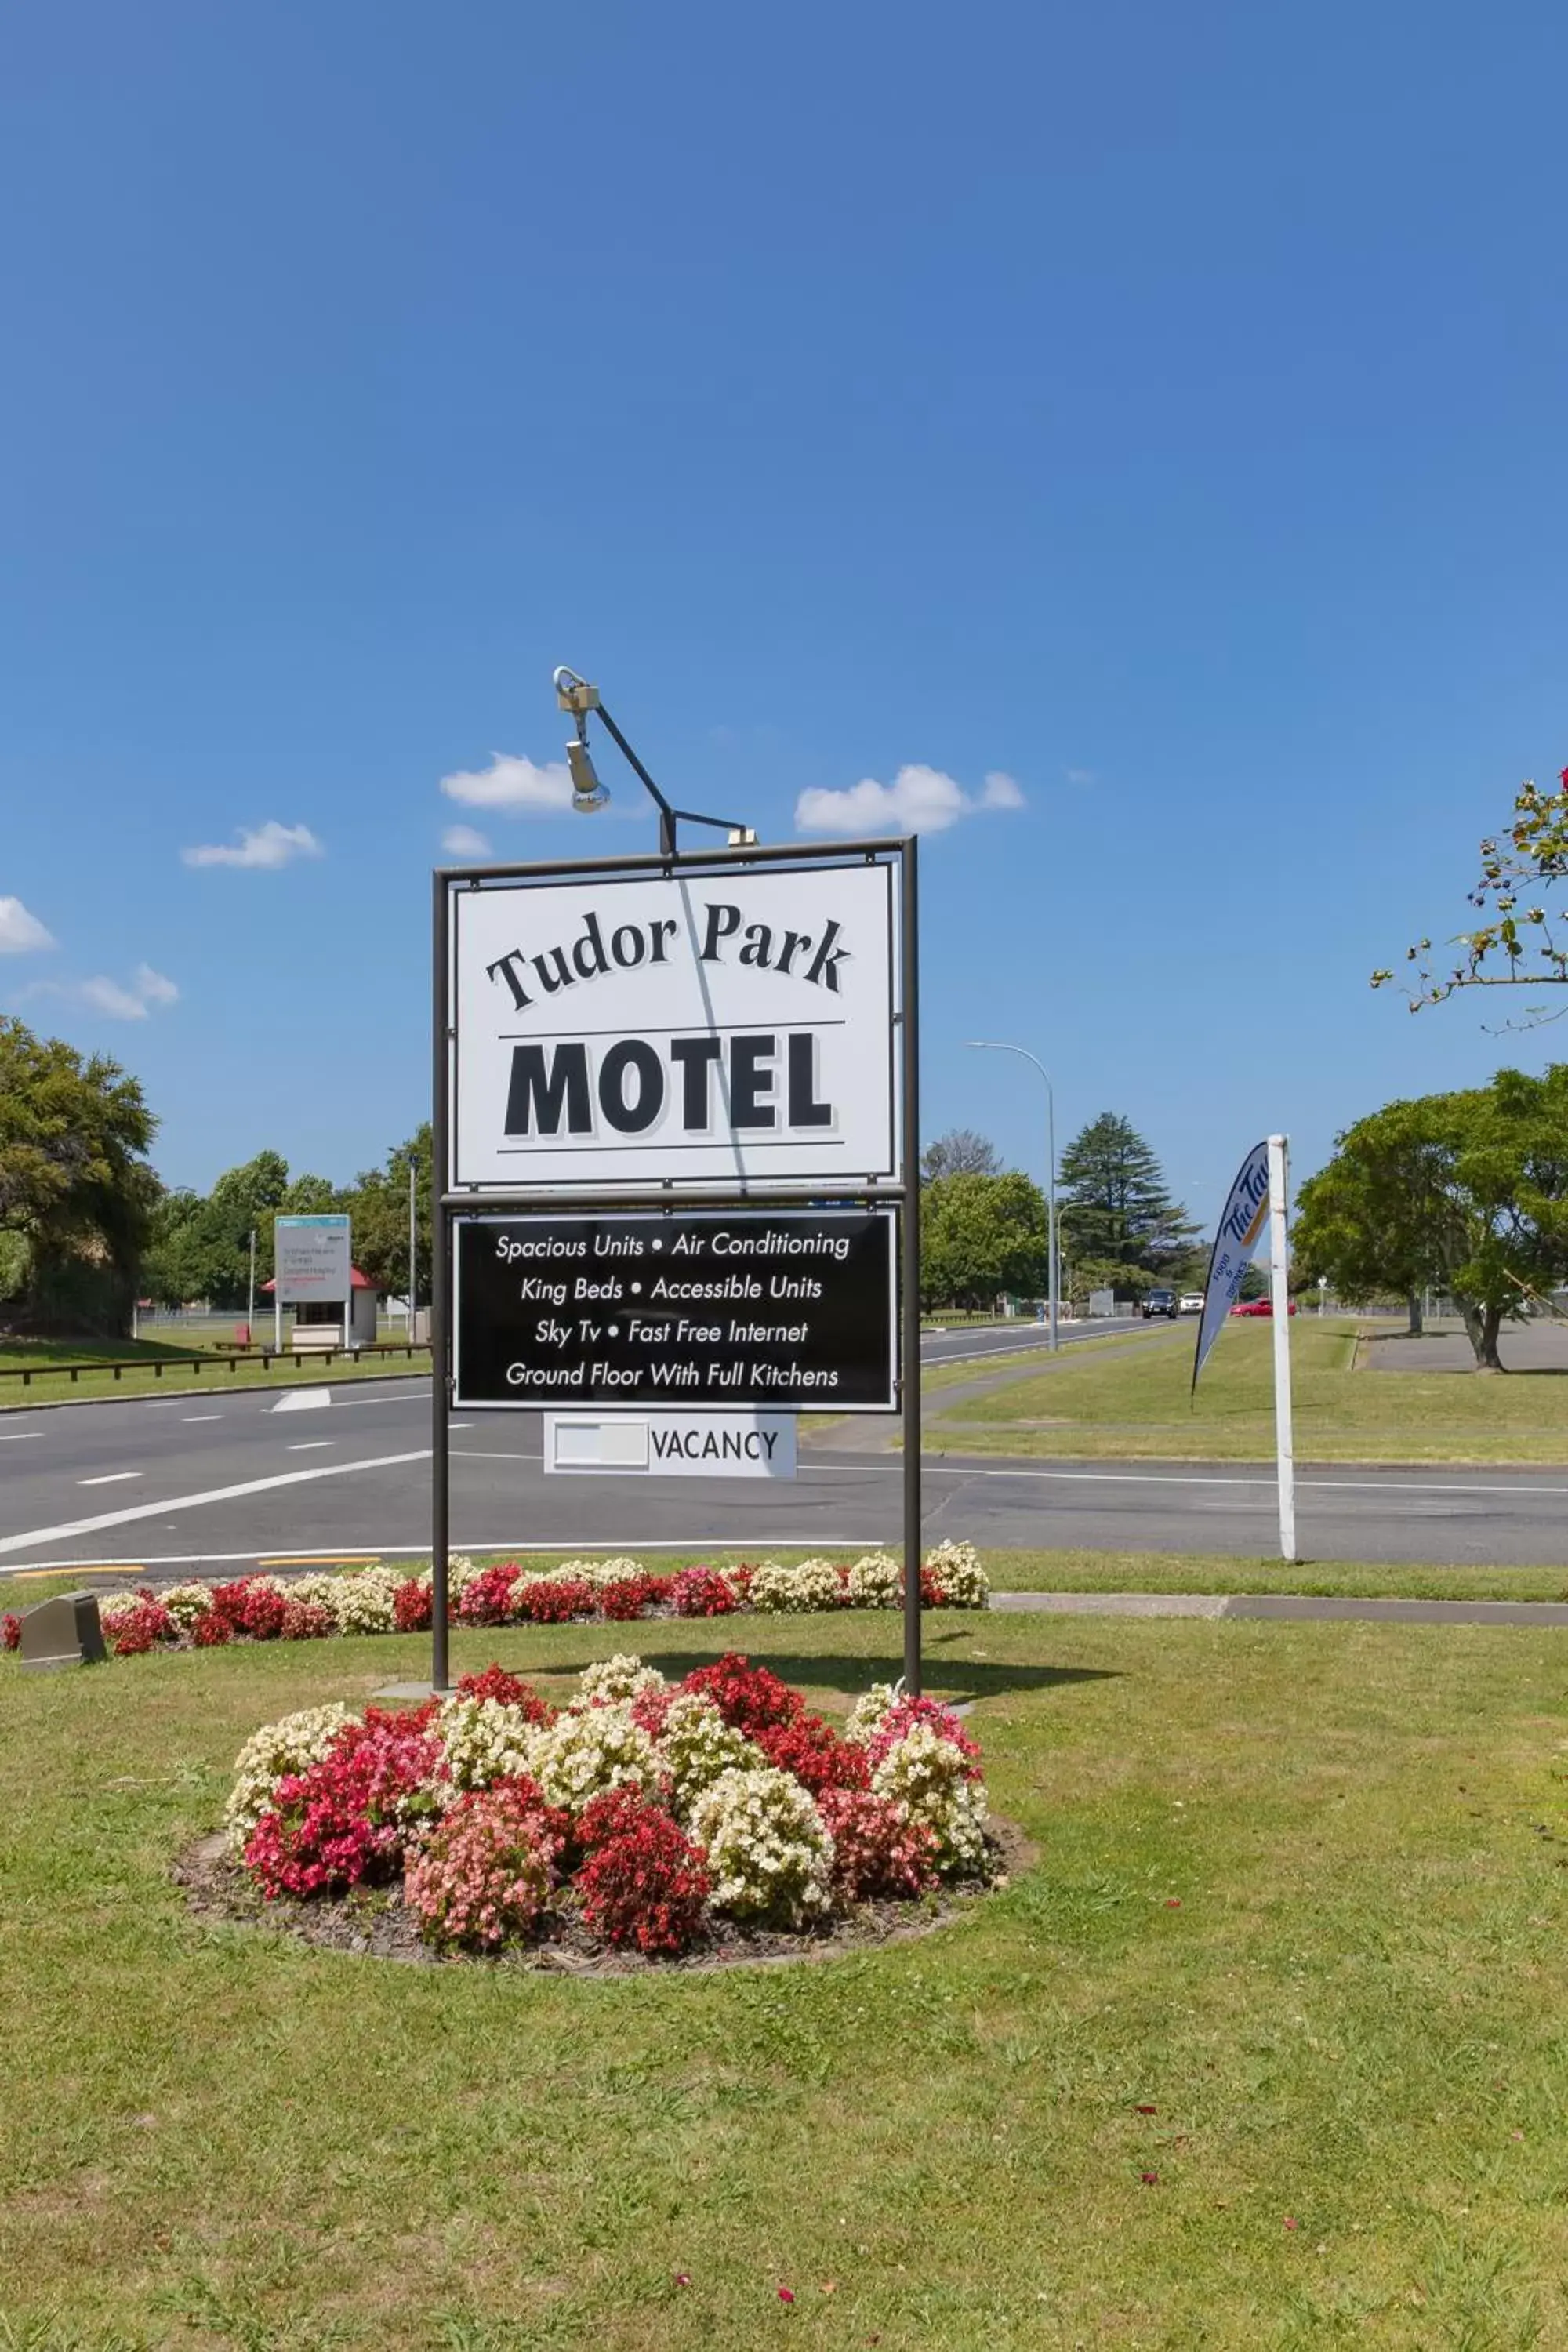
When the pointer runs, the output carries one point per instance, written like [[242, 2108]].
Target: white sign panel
[[1236, 1238], [312, 1258], [672, 1445], [733, 1029]]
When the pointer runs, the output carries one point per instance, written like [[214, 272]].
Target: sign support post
[[1280, 1299], [440, 1277], [909, 1397]]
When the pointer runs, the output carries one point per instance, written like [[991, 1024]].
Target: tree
[[1466, 1190], [201, 1248], [76, 1193], [959, 1152], [378, 1205], [1114, 1206], [1512, 945], [981, 1236]]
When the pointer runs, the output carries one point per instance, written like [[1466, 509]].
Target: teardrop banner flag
[[1236, 1238]]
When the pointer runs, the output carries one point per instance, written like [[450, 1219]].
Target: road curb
[[239, 1388], [1294, 1607]]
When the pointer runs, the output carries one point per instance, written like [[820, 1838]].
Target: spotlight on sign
[[587, 792]]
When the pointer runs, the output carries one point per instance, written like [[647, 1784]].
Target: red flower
[[644, 1882], [142, 1628], [10, 1631], [909, 1711], [413, 1607], [786, 2294], [699, 1592], [878, 1851], [487, 1600], [209, 1631], [306, 1620], [814, 1753], [510, 1689], [1150, 2179], [551, 1601], [748, 1698]]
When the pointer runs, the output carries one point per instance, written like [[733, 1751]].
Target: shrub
[[553, 1600], [291, 1745], [482, 1740], [870, 1709], [879, 1854], [583, 1753], [701, 1592], [621, 1678], [305, 1620], [211, 1632], [346, 1819], [252, 1606], [812, 1752], [487, 1600], [10, 1631], [361, 1603], [812, 1585], [748, 1697], [769, 1857], [644, 1883], [957, 1580], [902, 1717], [875, 1580], [186, 1603], [508, 1690], [413, 1606], [139, 1628], [482, 1877], [696, 1746], [628, 1598], [931, 1777]]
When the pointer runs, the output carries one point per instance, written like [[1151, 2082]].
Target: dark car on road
[[1159, 1302]]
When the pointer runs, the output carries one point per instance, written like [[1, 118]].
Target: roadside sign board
[[729, 1030], [671, 1445], [312, 1259], [701, 1310]]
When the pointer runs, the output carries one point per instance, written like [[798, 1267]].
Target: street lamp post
[[995, 1045]]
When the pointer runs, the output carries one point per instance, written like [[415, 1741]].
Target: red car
[[1258, 1306]]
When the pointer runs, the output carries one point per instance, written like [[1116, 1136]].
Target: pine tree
[[1114, 1203]]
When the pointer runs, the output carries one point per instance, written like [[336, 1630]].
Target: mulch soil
[[374, 1924]]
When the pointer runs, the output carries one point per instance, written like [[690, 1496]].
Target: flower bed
[[381, 1600], [645, 1820]]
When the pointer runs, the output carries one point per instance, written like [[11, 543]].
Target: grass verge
[[140, 1374], [1266, 2051], [1138, 1405]]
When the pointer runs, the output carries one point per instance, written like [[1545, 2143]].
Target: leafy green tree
[[959, 1152], [981, 1236], [1513, 945], [77, 1194], [378, 1204], [1114, 1207], [201, 1247], [1467, 1191]]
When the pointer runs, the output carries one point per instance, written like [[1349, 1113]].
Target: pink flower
[[786, 2294], [1151, 2179]]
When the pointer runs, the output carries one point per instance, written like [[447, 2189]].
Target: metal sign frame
[[446, 883]]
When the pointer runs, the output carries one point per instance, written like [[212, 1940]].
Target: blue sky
[[1161, 409]]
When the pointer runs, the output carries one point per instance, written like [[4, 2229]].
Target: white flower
[[483, 1740], [580, 1755], [960, 1579], [289, 1745], [769, 1857], [868, 1711], [876, 1582], [186, 1603], [929, 1775], [621, 1678], [696, 1746], [811, 1585]]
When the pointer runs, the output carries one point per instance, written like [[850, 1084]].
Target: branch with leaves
[[1514, 946]]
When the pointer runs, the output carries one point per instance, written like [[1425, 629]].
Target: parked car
[[1258, 1306], [1191, 1303], [1159, 1302]]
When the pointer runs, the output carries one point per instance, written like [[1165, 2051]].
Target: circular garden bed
[[644, 1824]]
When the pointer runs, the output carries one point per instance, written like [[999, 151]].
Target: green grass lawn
[[138, 1377], [1292, 1945], [1134, 1403]]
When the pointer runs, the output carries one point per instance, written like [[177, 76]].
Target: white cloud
[[918, 800], [107, 996], [462, 841], [1079, 776], [20, 933], [513, 784], [269, 845]]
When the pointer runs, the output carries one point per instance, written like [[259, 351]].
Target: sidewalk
[[1286, 1605]]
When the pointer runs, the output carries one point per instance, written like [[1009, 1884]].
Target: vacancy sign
[[683, 1029], [672, 1445]]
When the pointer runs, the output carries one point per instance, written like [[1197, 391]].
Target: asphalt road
[[218, 1479]]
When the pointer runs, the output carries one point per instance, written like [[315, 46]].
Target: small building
[[319, 1322]]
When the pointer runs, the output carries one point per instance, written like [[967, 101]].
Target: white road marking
[[9, 1436], [112, 1479], [213, 1495], [190, 1417], [568, 1547], [310, 1445], [303, 1400]]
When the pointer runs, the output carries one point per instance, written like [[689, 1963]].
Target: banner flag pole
[[1279, 1298]]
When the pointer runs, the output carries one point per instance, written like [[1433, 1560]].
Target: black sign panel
[[777, 1309]]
